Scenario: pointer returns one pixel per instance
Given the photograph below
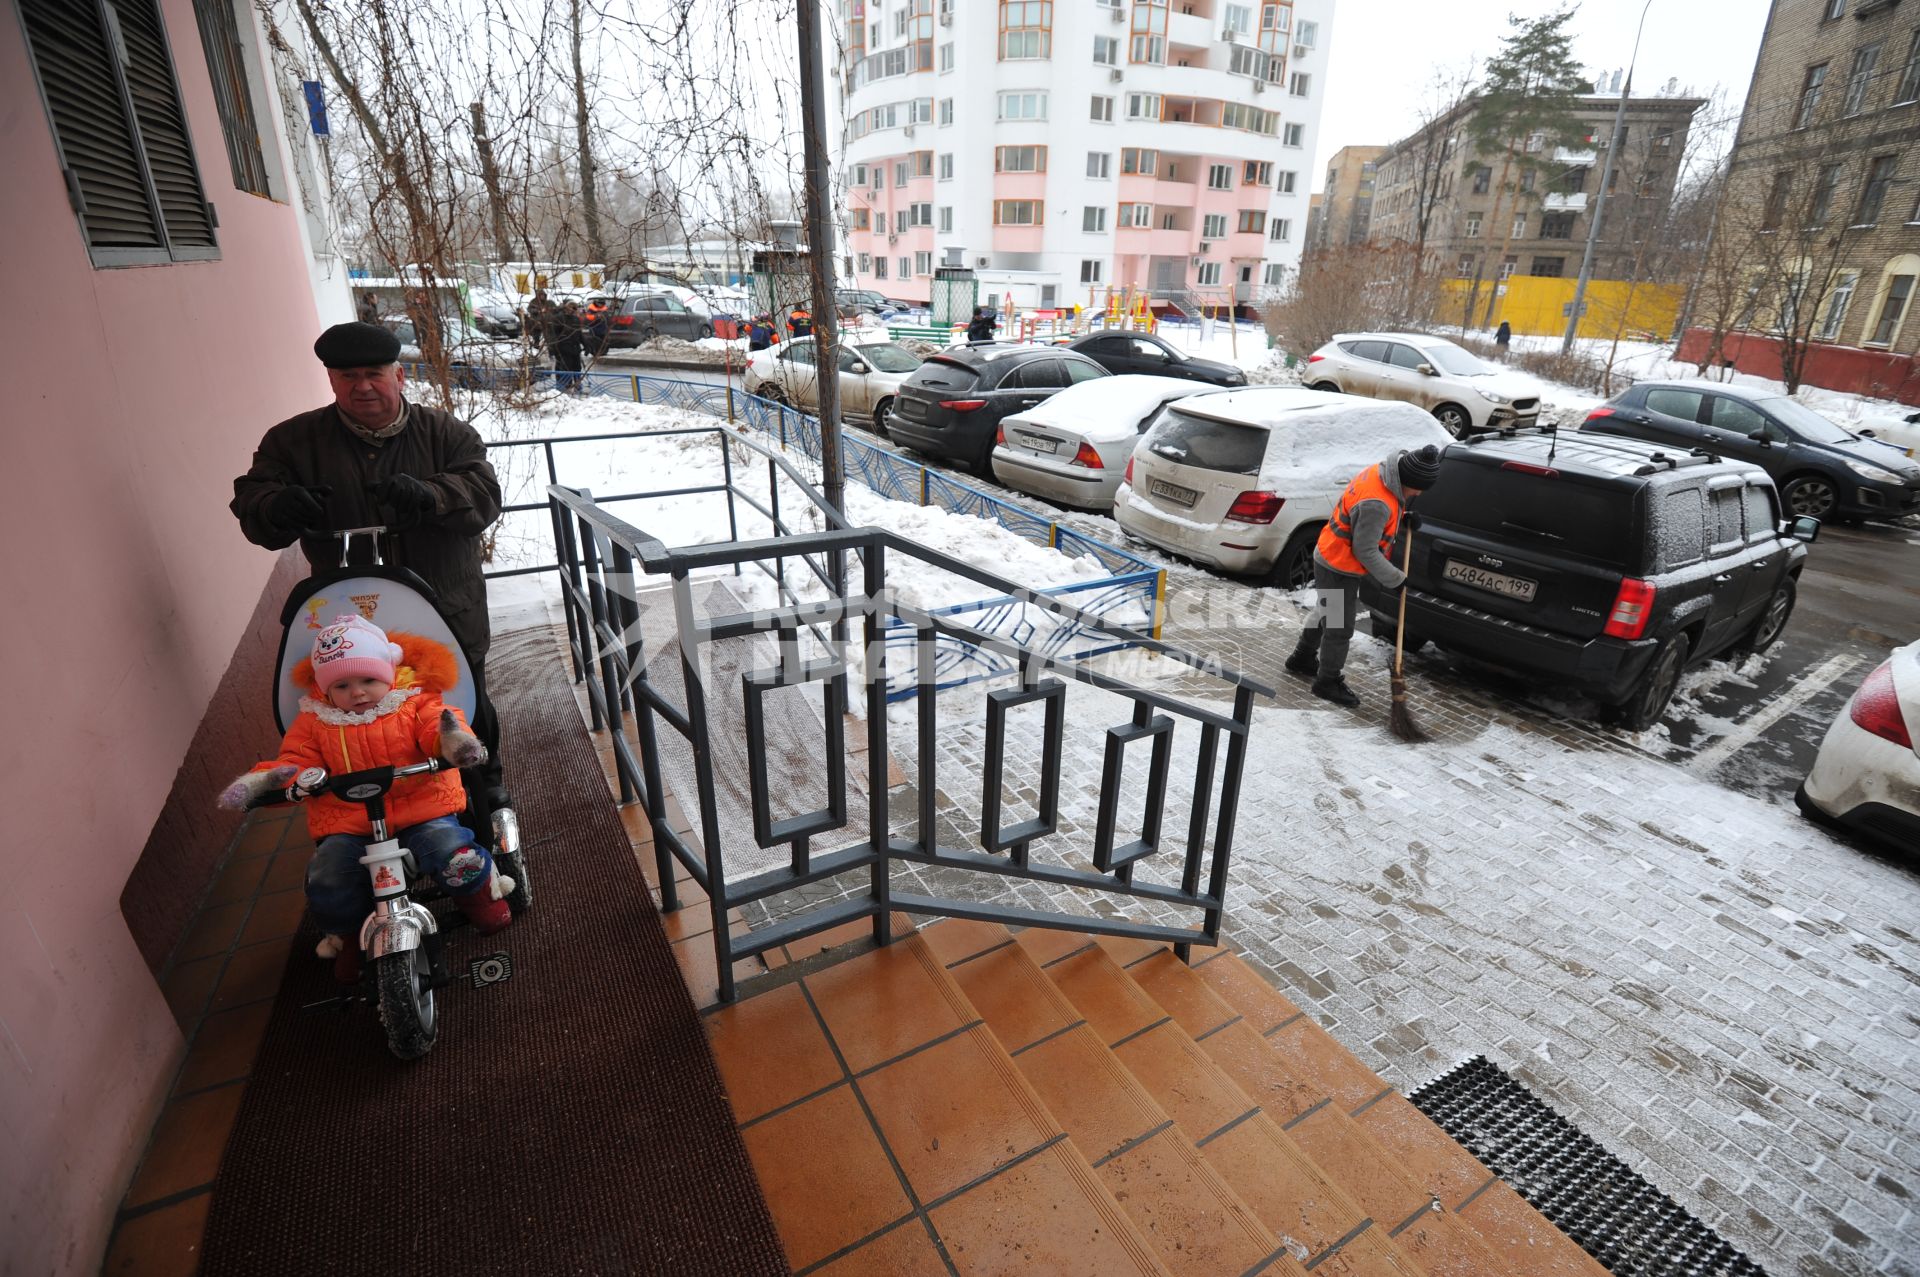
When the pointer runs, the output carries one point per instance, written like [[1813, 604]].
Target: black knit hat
[[357, 345], [1419, 467]]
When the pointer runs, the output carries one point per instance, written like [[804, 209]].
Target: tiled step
[[1197, 1224], [893, 1134], [1318, 1222]]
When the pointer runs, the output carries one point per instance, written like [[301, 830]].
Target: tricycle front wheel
[[407, 1007]]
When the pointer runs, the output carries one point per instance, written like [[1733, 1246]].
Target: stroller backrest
[[392, 598]]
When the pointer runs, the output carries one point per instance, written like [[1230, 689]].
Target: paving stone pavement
[[1720, 993]]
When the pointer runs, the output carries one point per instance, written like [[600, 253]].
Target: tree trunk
[[589, 197], [490, 175]]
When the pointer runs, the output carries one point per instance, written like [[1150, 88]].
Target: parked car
[[1822, 470], [860, 300], [1120, 352], [1073, 447], [1243, 480], [1601, 564], [642, 316], [870, 377], [1902, 432], [1464, 391], [1866, 776], [953, 404], [473, 357], [496, 319]]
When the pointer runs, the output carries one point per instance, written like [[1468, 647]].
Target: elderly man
[[372, 458]]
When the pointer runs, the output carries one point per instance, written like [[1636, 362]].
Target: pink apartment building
[[1069, 148], [158, 217]]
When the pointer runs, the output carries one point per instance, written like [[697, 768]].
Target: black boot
[[1334, 688], [1305, 660]]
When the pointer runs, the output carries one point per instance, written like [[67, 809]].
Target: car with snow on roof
[[1597, 563], [1243, 480], [1866, 777], [1073, 447]]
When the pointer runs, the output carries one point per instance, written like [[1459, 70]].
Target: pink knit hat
[[353, 647]]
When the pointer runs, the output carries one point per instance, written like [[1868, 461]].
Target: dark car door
[[1149, 355], [1025, 385], [1769, 553], [1114, 353], [1673, 415], [1735, 428], [1737, 594]]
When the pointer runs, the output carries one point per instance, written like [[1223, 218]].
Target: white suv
[[1243, 480], [1464, 391]]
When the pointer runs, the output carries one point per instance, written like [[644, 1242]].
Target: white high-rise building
[[1068, 147]]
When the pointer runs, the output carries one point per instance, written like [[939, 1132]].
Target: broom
[[1399, 717]]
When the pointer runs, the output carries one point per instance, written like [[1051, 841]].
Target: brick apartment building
[[1348, 204], [1549, 213], [1829, 146]]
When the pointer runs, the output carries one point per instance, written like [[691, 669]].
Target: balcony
[[1562, 155], [1556, 202]]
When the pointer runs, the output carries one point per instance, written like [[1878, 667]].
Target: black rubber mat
[[1630, 1227], [570, 1120]]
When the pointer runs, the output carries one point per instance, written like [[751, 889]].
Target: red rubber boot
[[487, 914]]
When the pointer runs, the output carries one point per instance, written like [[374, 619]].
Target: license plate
[[912, 409], [1173, 492], [1513, 587], [1038, 443]]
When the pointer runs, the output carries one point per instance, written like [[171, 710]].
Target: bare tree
[[1355, 287]]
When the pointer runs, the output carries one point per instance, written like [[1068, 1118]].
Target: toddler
[[373, 702]]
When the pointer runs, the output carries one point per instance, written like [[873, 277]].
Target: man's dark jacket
[[317, 449]]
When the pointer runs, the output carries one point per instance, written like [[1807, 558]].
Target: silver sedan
[[1073, 448]]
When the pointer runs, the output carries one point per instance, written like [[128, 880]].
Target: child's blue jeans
[[340, 892]]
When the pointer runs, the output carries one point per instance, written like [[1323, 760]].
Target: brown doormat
[[570, 1120]]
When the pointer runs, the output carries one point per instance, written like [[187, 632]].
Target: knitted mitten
[[253, 786]]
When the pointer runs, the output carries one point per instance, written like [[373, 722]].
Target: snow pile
[[1273, 371], [674, 350], [1108, 409]]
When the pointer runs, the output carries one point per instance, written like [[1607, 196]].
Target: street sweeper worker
[[1357, 543]]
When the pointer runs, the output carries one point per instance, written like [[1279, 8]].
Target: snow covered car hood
[[1510, 385], [1107, 409]]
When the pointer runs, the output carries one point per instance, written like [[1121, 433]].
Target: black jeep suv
[[1603, 564]]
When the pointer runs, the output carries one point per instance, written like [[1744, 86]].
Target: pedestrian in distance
[[1357, 542], [760, 332], [539, 317], [565, 338], [599, 330], [981, 327], [1503, 338], [800, 322], [373, 459], [369, 311]]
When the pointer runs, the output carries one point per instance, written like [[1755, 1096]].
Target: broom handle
[[1400, 637]]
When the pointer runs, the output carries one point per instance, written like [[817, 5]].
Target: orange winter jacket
[[403, 728]]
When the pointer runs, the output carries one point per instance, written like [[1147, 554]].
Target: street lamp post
[[1600, 200]]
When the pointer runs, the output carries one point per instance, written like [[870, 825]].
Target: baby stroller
[[402, 943]]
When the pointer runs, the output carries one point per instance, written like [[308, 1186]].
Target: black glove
[[296, 509], [408, 498], [1412, 520]]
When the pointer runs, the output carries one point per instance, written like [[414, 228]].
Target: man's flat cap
[[357, 345]]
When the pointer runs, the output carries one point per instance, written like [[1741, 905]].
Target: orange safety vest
[[1336, 538]]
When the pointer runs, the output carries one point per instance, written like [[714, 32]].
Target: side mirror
[[1427, 369], [1805, 528], [1760, 437], [858, 368]]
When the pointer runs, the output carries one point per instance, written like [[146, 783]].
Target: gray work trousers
[[1335, 608]]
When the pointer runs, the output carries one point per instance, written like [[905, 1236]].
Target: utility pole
[[826, 339], [1600, 200]]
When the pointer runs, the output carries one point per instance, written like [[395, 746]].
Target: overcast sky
[[1386, 51]]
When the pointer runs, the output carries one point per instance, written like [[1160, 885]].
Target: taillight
[[1129, 479], [1527, 467], [963, 405], [1876, 708], [1314, 359], [1086, 456], [999, 436], [623, 321], [1601, 411], [1255, 507], [1632, 609]]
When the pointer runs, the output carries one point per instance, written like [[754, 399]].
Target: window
[[923, 263], [1143, 106], [1482, 179], [1775, 209], [1106, 50], [1220, 177], [1280, 229], [1307, 34], [900, 173], [1023, 106], [1464, 267], [922, 162], [1257, 173], [879, 268], [1148, 48], [1136, 215], [1099, 164], [1526, 179], [139, 188], [906, 267], [1810, 95], [1864, 60], [1299, 84], [1910, 75], [858, 219], [946, 219], [879, 176], [1213, 226], [1899, 291], [922, 214], [1253, 221], [1549, 267], [1026, 29], [1092, 270], [946, 167], [1723, 512], [1247, 60], [1093, 218], [1837, 303], [1556, 225], [1287, 178], [233, 78], [946, 57], [1473, 226], [946, 112], [900, 22], [1019, 159], [1874, 193], [1823, 189], [1239, 19], [865, 263], [1834, 9], [1762, 520], [859, 175], [1102, 111], [1275, 275], [1167, 221], [880, 222], [1208, 275], [1681, 404], [1016, 212], [1293, 135], [1508, 266], [1135, 160]]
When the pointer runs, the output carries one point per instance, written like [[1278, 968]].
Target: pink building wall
[[135, 396]]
